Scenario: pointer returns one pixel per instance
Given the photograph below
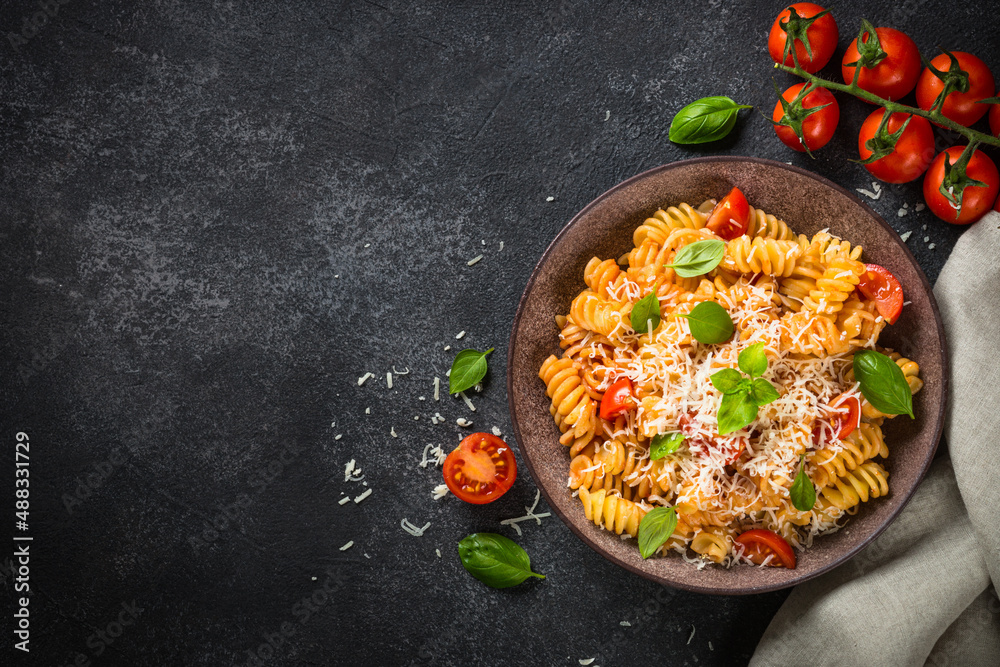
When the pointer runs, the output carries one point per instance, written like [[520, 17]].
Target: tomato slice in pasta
[[759, 544], [617, 399], [481, 469], [879, 285], [731, 217]]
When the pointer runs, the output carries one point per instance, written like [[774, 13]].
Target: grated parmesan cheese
[[413, 530], [388, 380], [347, 546], [440, 491], [468, 402], [692, 635], [460, 335], [438, 552], [364, 495], [474, 260], [501, 246], [345, 500], [497, 432], [437, 388], [905, 236], [462, 421], [625, 624], [586, 661], [550, 199], [368, 411], [392, 432], [338, 436], [364, 378], [530, 515]]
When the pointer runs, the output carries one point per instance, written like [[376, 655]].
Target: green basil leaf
[[710, 323], [655, 529], [698, 258], [883, 383], [665, 444], [736, 411], [704, 120], [763, 392], [803, 492], [728, 380], [753, 361], [646, 312], [495, 560], [467, 370]]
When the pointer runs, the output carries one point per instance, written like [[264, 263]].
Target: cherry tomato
[[879, 285], [617, 399], [731, 216], [976, 201], [913, 153], [481, 469], [758, 544], [701, 444], [822, 35], [995, 119], [849, 414], [895, 75], [963, 108], [818, 127]]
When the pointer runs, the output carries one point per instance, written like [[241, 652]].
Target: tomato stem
[[891, 107]]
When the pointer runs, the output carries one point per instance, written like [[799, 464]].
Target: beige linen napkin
[[921, 593]]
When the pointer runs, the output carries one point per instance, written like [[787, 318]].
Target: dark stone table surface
[[217, 216]]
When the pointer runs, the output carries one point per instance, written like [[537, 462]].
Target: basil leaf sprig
[[698, 258], [646, 312], [655, 529], [467, 370], [495, 560], [710, 323], [742, 396], [883, 383], [704, 120], [665, 444], [803, 492]]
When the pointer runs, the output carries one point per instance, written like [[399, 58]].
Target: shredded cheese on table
[[413, 530], [530, 514]]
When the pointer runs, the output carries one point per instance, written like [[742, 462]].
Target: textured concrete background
[[217, 216]]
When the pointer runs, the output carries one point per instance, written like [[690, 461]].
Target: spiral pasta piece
[[767, 226], [577, 411], [761, 255], [826, 248], [659, 226], [862, 444], [869, 480], [839, 279], [596, 314], [711, 544], [611, 512]]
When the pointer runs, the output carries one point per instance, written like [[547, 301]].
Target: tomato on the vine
[[976, 200], [879, 285], [481, 469], [817, 127], [912, 154], [963, 108], [617, 399], [730, 217], [895, 75], [757, 544], [822, 35]]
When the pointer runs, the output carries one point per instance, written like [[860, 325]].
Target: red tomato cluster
[[891, 70]]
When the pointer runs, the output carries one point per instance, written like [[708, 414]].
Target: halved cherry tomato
[[976, 200], [895, 75], [879, 285], [913, 153], [822, 36], [617, 399], [963, 108], [481, 469], [818, 127], [843, 422], [698, 443], [731, 216], [758, 544], [848, 414]]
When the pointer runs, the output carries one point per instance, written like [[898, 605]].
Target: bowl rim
[[715, 590]]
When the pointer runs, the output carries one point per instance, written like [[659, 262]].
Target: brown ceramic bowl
[[808, 203]]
